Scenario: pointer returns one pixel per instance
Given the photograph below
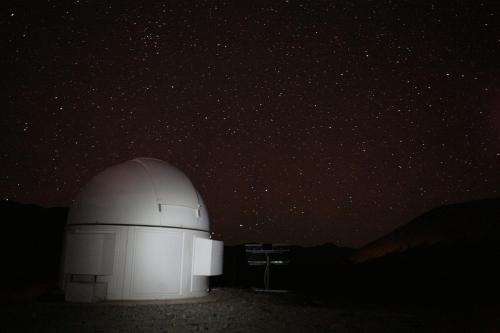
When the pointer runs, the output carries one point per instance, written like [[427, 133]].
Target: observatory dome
[[142, 191]]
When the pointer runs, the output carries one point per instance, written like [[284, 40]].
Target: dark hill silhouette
[[31, 242], [450, 253], [466, 223]]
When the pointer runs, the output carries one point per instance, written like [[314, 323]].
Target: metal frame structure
[[267, 255]]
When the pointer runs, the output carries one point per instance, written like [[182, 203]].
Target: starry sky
[[303, 122]]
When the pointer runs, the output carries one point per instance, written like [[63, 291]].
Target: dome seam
[[150, 176]]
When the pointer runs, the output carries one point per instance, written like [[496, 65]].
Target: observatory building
[[138, 231]]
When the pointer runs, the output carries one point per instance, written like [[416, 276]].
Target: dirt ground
[[238, 310]]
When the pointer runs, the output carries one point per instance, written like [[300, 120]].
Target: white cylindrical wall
[[136, 262]]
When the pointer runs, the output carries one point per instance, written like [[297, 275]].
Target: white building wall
[[148, 262]]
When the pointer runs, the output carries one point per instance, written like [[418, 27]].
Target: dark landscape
[[435, 274], [358, 142]]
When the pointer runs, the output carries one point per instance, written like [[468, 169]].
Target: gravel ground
[[238, 310]]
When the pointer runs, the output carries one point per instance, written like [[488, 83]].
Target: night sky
[[303, 122]]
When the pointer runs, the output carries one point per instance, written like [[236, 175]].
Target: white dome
[[142, 191]]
